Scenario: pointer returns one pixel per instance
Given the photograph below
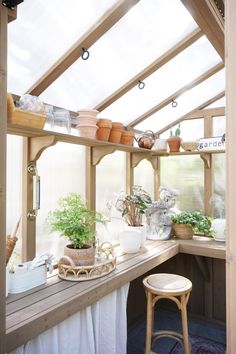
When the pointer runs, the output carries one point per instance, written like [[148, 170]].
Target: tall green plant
[[74, 220]]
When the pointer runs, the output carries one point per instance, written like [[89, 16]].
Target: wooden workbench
[[32, 312]]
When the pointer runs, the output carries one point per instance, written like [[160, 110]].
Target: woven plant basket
[[183, 231]]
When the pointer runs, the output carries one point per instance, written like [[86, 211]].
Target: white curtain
[[98, 329]]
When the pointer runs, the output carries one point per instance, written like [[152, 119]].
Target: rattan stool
[[167, 286]]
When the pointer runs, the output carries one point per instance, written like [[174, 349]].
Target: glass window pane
[[43, 32], [219, 126], [110, 182], [186, 175], [218, 200], [118, 56], [61, 168], [219, 103], [186, 103], [190, 130], [178, 72], [14, 191], [144, 176]]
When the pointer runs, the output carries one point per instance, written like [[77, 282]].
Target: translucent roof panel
[[148, 30], [186, 103], [43, 32], [191, 130], [179, 71]]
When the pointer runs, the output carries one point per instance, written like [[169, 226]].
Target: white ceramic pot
[[130, 240], [160, 144], [143, 231], [218, 226]]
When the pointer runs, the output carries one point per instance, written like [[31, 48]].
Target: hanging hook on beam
[[174, 103], [85, 54], [141, 85]]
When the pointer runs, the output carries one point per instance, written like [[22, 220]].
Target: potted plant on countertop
[[77, 224], [174, 140], [187, 223], [132, 207]]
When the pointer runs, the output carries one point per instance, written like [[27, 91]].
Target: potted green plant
[[174, 140], [132, 207], [187, 223], [77, 224]]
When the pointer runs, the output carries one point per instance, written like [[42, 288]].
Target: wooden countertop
[[31, 313]]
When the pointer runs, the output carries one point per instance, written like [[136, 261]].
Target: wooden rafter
[[208, 18], [186, 116], [86, 41], [162, 60], [183, 89]]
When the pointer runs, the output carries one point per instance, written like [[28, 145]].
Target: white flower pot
[[218, 226], [143, 231], [160, 144], [130, 240]]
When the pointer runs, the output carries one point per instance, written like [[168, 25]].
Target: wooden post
[[230, 174], [156, 173], [208, 188], [90, 179], [129, 172], [3, 129]]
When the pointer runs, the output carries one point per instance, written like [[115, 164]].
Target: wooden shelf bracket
[[39, 144], [98, 152], [136, 157], [207, 159]]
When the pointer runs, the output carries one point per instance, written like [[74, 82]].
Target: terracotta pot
[[174, 143], [87, 131], [80, 256], [183, 231], [104, 129], [127, 137], [116, 132]]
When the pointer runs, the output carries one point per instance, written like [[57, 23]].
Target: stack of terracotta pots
[[127, 137], [87, 123], [116, 132]]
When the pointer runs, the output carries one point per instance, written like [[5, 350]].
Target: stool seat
[[171, 287], [167, 284]]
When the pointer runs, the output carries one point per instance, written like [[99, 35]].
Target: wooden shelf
[[73, 139]]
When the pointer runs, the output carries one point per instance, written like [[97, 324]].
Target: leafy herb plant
[[74, 220], [200, 223]]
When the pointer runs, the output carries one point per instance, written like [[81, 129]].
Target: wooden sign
[[213, 143]]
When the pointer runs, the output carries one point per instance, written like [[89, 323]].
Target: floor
[[163, 319]]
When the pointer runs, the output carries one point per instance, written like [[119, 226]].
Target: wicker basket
[[189, 145], [183, 231]]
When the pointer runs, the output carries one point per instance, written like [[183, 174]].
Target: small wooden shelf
[[73, 139]]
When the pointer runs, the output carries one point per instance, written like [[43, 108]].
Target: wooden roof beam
[[162, 60], [208, 18], [174, 96], [86, 41], [186, 116]]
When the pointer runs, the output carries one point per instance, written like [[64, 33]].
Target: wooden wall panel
[[3, 122]]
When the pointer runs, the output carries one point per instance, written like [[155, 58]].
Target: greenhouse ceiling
[[130, 59]]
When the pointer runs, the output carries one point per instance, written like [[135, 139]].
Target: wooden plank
[[175, 95], [185, 116], [158, 63], [230, 174], [3, 129], [111, 17], [129, 173], [206, 247], [209, 21], [213, 112]]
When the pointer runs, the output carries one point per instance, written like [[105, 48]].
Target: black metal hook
[[174, 103], [85, 54], [141, 85]]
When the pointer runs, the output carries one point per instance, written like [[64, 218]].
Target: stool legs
[[149, 324], [184, 300]]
